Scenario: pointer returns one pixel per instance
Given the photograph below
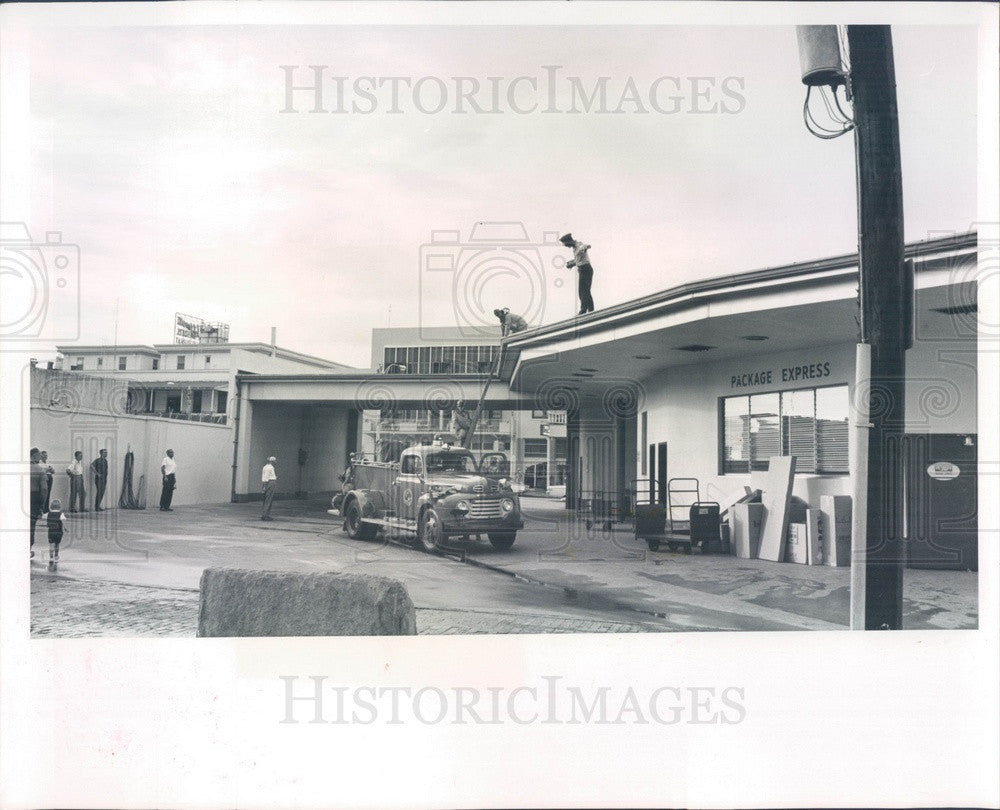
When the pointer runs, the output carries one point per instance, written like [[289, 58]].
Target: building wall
[[425, 336], [70, 391], [203, 453], [682, 405], [941, 386], [282, 430], [134, 361], [262, 363], [210, 357]]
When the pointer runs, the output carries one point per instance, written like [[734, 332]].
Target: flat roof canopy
[[766, 312], [377, 391]]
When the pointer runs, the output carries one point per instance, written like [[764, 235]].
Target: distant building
[[188, 381], [534, 440]]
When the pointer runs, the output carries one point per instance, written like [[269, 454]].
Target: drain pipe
[[858, 459], [236, 438]]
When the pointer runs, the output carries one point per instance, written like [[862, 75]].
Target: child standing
[[55, 518]]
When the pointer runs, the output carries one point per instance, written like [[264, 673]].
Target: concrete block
[[241, 603], [795, 547], [745, 520], [836, 529], [814, 537]]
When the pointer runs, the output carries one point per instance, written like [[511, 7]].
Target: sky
[[164, 154]]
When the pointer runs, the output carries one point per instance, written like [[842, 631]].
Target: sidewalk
[[745, 594]]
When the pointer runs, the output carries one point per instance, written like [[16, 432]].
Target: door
[[661, 472], [408, 487], [652, 473], [942, 509]]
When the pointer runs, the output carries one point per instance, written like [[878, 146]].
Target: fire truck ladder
[[494, 371]]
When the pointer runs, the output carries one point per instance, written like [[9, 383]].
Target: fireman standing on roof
[[581, 261]]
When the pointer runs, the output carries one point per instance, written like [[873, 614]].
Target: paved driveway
[[137, 573]]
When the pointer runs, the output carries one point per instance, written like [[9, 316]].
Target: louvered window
[[808, 423]]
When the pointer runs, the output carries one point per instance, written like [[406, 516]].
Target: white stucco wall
[[683, 407], [280, 430], [203, 453]]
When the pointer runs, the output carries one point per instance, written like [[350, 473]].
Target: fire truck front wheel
[[356, 528], [502, 541], [429, 536]]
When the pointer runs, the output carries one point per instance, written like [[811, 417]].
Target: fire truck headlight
[[462, 506], [507, 504]]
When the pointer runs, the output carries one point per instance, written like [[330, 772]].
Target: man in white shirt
[[267, 478], [168, 467], [75, 472], [581, 261]]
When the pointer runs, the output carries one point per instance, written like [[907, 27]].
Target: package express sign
[[758, 378]]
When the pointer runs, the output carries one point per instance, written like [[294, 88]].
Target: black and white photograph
[[423, 404]]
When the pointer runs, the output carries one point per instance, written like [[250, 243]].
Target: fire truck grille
[[484, 508]]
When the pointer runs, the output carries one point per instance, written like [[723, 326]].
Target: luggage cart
[[677, 489], [705, 522], [656, 522], [598, 508], [650, 517]]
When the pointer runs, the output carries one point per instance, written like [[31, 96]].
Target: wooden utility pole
[[885, 312]]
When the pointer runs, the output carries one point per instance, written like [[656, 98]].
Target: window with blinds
[[808, 423], [439, 359]]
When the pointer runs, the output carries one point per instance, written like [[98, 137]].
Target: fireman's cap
[[567, 239]]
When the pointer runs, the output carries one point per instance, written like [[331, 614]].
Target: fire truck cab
[[435, 491]]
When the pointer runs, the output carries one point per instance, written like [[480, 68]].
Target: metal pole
[[858, 453], [883, 314]]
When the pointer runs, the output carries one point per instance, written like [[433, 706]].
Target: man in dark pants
[[37, 491], [168, 468], [100, 467], [581, 261], [77, 490], [49, 473], [267, 478]]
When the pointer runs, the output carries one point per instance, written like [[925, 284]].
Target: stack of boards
[[762, 530]]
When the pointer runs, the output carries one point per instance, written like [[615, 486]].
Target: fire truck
[[435, 491]]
